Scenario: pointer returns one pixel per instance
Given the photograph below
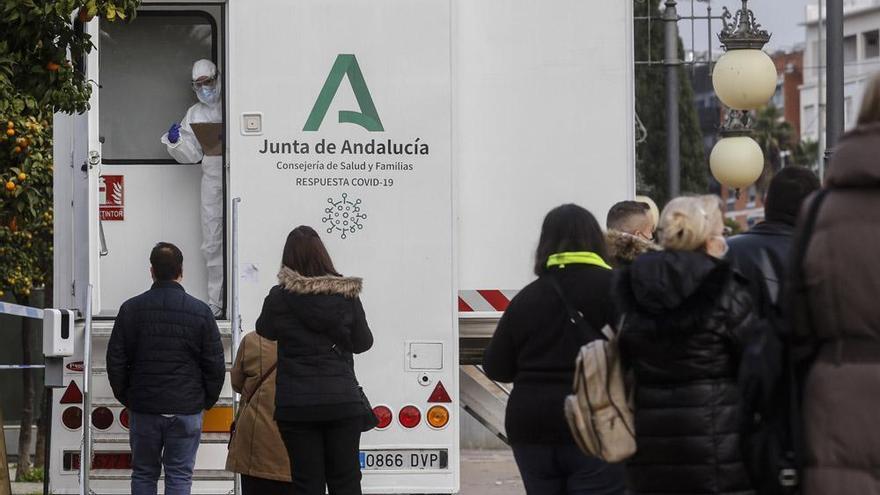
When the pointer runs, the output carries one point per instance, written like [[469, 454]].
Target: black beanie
[[788, 189]]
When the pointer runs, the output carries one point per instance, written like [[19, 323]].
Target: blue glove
[[174, 133]]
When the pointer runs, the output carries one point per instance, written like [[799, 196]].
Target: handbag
[[368, 417], [247, 400]]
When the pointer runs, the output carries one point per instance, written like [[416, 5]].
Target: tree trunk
[[27, 407], [42, 430]]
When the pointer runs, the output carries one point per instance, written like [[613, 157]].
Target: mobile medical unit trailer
[[424, 140]]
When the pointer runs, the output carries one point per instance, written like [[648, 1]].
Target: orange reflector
[[72, 395], [438, 416], [439, 395], [217, 420]]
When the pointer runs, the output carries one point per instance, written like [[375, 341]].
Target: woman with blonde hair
[[685, 316]]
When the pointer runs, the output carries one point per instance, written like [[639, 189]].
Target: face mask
[[208, 94]]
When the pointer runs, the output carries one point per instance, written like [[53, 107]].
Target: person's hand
[[174, 133]]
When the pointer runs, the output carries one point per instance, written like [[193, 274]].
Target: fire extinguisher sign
[[111, 193]]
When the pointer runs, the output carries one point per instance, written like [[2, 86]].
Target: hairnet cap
[[203, 69]]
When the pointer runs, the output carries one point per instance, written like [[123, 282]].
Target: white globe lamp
[[744, 79], [736, 161]]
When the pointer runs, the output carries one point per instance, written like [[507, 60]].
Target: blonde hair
[[870, 111], [686, 223]]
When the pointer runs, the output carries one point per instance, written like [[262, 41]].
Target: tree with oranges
[[40, 44]]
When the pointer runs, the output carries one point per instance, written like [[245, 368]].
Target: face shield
[[207, 90]]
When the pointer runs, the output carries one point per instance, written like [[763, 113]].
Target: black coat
[[165, 355], [319, 324], [685, 319], [534, 348], [762, 255]]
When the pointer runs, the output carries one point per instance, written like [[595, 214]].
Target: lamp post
[[672, 63], [744, 79]]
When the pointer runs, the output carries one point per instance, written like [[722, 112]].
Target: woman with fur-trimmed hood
[[317, 318]]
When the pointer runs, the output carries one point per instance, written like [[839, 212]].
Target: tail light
[[102, 418], [410, 416], [123, 418], [383, 416], [72, 418], [438, 416]]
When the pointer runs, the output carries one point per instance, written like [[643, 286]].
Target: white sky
[[781, 18]]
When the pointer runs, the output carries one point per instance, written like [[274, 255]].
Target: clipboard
[[210, 136]]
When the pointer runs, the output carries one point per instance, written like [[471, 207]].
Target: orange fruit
[[10, 132], [53, 67], [10, 186], [22, 176], [17, 149], [10, 124]]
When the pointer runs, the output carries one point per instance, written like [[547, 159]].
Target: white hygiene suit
[[188, 150]]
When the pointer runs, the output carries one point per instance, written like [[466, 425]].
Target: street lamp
[[744, 79]]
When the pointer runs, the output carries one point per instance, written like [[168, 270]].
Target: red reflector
[[123, 418], [72, 395], [102, 418], [72, 417], [383, 416], [439, 394], [410, 416]]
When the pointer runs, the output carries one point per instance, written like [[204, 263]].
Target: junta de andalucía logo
[[346, 65]]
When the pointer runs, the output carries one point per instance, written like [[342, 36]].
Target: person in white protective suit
[[185, 148]]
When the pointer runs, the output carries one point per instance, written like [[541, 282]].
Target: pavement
[[489, 472], [483, 472]]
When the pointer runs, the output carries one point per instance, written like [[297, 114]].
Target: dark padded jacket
[[319, 323], [165, 355], [762, 255], [534, 348], [686, 315]]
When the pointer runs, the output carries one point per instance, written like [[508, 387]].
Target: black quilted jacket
[[319, 323], [687, 315], [165, 354]]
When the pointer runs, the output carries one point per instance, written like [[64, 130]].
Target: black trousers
[[251, 485], [324, 453], [565, 470]]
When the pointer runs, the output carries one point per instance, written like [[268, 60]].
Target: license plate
[[394, 460]]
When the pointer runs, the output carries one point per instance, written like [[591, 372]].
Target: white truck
[[424, 139]]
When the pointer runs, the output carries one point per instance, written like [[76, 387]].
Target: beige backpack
[[598, 414]]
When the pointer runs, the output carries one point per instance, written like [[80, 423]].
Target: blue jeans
[[158, 441], [565, 470]]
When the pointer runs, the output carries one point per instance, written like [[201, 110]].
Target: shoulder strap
[[587, 332], [800, 249], [263, 379]]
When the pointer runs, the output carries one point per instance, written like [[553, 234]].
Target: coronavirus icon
[[344, 216]]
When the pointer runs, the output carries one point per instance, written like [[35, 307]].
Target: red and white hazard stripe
[[472, 301]]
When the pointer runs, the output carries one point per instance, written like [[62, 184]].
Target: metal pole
[[85, 453], [236, 314], [834, 128], [5, 482], [672, 62], [820, 91]]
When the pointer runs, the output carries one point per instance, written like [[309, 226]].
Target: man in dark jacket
[[630, 232], [165, 363], [761, 254]]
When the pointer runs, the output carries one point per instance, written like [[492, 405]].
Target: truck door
[[144, 195]]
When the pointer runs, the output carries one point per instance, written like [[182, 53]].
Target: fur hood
[[624, 248], [292, 281]]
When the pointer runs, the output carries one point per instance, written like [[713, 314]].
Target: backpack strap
[[586, 332], [799, 250]]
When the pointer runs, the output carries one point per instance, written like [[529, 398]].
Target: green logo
[[368, 118]]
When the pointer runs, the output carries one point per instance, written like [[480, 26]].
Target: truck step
[[102, 370], [125, 475], [122, 438]]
